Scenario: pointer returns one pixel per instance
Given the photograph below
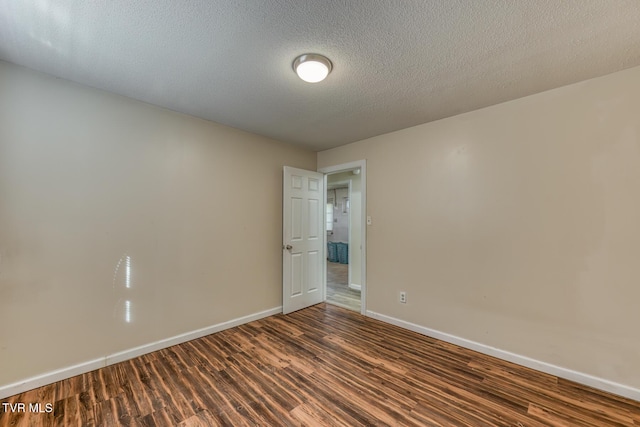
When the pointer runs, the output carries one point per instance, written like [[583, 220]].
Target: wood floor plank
[[325, 366], [352, 390], [110, 412], [161, 417], [309, 414], [179, 403], [574, 406], [201, 419], [205, 352], [342, 411], [137, 390]]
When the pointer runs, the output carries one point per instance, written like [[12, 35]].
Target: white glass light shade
[[312, 68]]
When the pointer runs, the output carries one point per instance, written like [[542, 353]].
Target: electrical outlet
[[403, 297]]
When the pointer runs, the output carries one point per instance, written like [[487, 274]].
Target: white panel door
[[303, 239]]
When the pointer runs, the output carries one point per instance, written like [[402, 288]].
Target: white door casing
[[362, 165], [303, 239]]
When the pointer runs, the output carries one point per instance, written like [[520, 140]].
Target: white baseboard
[[92, 365], [50, 377], [568, 374], [178, 339], [355, 287]]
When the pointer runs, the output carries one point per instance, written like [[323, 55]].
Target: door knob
[[288, 247]]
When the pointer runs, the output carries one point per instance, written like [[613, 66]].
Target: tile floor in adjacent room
[[338, 290]]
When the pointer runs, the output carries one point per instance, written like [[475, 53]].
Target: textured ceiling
[[396, 63]]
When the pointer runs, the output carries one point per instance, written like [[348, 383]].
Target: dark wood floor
[[321, 366], [338, 290]]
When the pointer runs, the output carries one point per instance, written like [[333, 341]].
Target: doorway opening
[[345, 236]]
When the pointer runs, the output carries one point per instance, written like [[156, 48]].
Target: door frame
[[344, 167]]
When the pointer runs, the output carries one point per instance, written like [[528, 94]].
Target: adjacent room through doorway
[[344, 242]]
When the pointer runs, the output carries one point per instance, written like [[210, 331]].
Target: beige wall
[[517, 225], [88, 179]]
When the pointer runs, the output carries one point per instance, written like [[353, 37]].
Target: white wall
[[340, 232], [87, 179], [355, 236], [515, 226]]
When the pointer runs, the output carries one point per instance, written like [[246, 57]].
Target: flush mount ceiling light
[[312, 67]]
